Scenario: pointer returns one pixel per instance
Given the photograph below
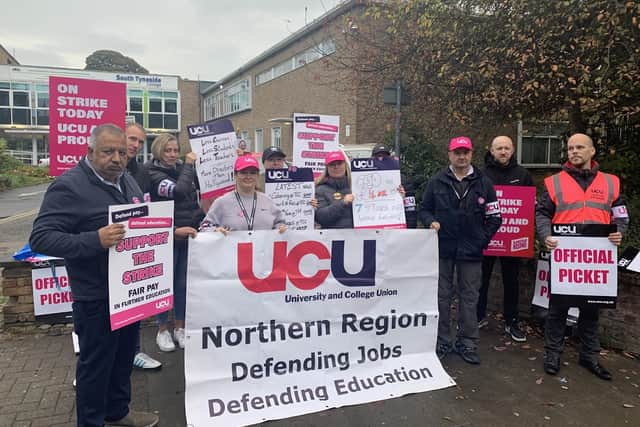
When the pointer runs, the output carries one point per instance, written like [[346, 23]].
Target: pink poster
[[76, 106], [515, 236]]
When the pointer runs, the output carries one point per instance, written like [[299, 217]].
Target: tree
[[109, 60], [470, 61]]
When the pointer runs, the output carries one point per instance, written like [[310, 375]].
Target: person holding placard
[[503, 169], [245, 208], [333, 193], [460, 204], [580, 194], [73, 224], [171, 179]]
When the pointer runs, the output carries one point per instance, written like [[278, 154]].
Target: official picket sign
[[300, 322], [514, 238], [141, 265], [51, 291], [76, 107], [292, 190], [314, 135], [584, 264], [215, 144], [541, 294], [376, 200]]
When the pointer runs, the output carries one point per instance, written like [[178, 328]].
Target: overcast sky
[[204, 39]]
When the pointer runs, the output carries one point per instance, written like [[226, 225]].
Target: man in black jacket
[[460, 204], [73, 224], [502, 168], [136, 138]]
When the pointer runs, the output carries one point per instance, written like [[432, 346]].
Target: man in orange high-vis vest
[[581, 194]]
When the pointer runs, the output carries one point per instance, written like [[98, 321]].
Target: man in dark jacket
[[502, 168], [460, 204], [72, 224], [136, 137]]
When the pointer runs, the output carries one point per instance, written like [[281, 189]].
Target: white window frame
[[259, 134], [276, 140], [547, 163]]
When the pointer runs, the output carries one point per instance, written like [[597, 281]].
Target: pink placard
[[515, 236], [76, 106], [140, 312]]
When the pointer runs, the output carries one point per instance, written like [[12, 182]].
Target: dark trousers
[[510, 270], [587, 330], [103, 371], [468, 275]]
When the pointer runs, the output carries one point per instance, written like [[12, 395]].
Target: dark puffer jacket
[[467, 220], [177, 184], [332, 211]]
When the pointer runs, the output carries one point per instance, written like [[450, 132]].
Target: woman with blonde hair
[[333, 193], [172, 179]]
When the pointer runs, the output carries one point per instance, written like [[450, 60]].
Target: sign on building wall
[[514, 238], [314, 135], [302, 322], [76, 107], [141, 264], [376, 200]]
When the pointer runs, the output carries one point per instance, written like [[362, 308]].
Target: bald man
[[558, 203], [501, 167]]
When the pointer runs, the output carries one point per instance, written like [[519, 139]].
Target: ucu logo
[[277, 174], [68, 159], [363, 163], [198, 130], [165, 303], [286, 265], [565, 229]]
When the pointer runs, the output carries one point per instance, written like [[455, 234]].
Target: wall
[[619, 328]]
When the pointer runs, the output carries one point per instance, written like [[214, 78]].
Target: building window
[[162, 107], [324, 48], [228, 100], [276, 134], [540, 150], [259, 143]]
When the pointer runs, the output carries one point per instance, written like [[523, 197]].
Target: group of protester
[[459, 203]]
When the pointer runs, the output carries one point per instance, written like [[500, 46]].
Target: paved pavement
[[509, 388], [18, 209]]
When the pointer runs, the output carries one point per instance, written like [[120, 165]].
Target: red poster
[[515, 236], [76, 106]]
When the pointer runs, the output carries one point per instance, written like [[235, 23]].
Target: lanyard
[[248, 218]]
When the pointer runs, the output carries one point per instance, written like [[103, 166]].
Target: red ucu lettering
[[286, 265]]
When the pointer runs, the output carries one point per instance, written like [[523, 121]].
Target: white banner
[[51, 291], [292, 190], [141, 265], [301, 322], [314, 135], [376, 200]]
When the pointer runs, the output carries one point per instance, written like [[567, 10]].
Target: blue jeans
[[103, 370], [180, 256]]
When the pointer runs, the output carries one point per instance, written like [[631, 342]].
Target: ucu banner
[[286, 265]]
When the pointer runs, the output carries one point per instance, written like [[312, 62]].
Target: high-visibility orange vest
[[573, 205]]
